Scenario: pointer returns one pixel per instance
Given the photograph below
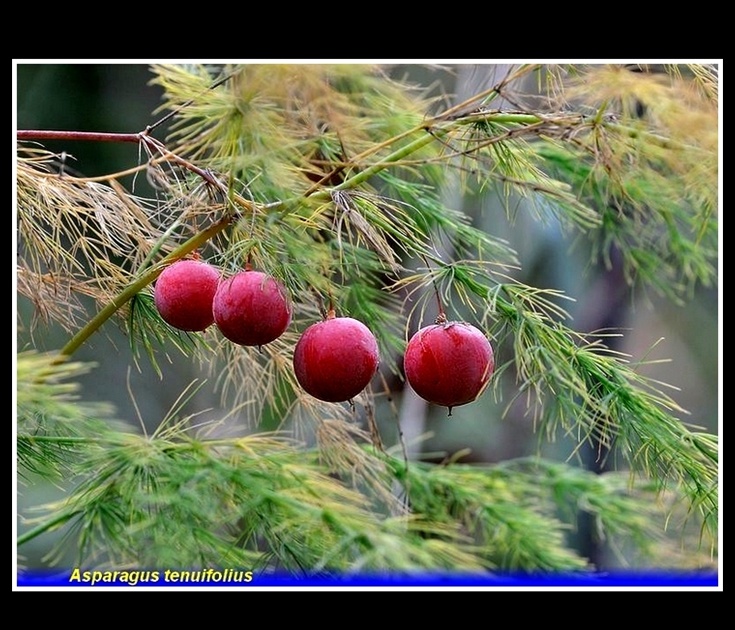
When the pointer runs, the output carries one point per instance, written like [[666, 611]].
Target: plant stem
[[88, 136], [59, 439], [44, 527], [433, 132], [149, 276], [362, 176]]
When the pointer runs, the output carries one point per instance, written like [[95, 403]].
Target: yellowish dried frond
[[672, 102], [357, 215], [52, 298], [651, 129], [75, 238], [255, 380], [52, 204], [705, 77], [342, 448]]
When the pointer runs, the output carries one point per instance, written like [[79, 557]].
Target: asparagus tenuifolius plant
[[329, 177]]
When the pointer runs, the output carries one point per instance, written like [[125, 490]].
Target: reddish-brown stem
[[87, 136], [203, 173], [99, 136]]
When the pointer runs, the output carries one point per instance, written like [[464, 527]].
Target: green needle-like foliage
[[254, 501], [523, 511], [53, 423], [330, 178]]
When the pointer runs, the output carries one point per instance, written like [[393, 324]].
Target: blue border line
[[214, 579]]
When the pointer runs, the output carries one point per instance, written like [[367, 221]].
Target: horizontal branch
[[136, 138], [85, 136]]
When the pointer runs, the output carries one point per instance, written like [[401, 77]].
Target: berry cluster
[[447, 363]]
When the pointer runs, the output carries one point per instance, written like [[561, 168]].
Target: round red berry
[[251, 308], [449, 364], [183, 294], [334, 360]]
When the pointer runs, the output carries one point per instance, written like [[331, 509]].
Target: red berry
[[183, 294], [251, 308], [449, 364], [334, 360]]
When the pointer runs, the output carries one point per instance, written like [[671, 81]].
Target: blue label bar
[[86, 578]]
